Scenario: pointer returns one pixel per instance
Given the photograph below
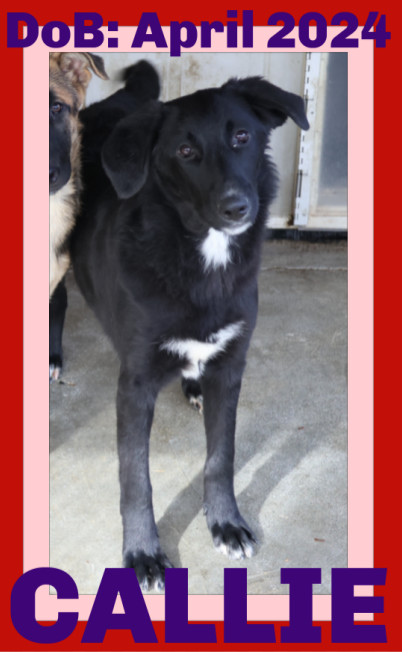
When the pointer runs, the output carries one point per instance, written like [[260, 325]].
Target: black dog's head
[[206, 151], [69, 75]]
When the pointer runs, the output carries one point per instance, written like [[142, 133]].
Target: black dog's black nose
[[54, 174], [234, 207]]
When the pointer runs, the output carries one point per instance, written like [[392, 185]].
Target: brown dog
[[69, 76]]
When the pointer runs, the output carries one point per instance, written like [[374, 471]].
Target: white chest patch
[[196, 354], [215, 249]]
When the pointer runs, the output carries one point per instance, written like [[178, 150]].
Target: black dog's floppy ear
[[126, 152], [272, 104]]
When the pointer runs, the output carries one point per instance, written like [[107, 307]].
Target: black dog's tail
[[142, 80]]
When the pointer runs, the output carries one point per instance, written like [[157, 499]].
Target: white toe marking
[[197, 403], [54, 372], [246, 550]]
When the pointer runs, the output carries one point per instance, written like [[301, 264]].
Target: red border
[[387, 232]]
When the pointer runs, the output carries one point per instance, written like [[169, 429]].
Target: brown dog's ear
[[127, 151], [269, 102], [78, 68]]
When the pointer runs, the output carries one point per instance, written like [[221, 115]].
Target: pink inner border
[[360, 334]]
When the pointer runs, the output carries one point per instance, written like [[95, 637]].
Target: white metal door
[[321, 189]]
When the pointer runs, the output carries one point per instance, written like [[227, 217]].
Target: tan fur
[[62, 214], [69, 75]]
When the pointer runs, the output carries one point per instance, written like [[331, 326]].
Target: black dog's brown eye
[[185, 151], [57, 107], [241, 137]]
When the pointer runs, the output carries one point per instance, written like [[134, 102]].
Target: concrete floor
[[291, 459]]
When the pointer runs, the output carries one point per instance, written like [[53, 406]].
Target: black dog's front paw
[[234, 541], [150, 569], [55, 367]]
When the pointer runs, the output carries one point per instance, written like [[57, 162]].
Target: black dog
[[167, 254]]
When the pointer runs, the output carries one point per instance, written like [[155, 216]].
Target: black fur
[[177, 170], [57, 311]]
